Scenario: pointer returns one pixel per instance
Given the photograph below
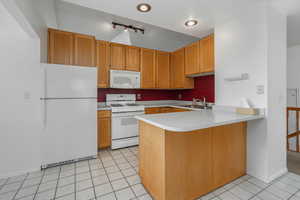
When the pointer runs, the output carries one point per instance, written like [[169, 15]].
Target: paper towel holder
[[242, 77]]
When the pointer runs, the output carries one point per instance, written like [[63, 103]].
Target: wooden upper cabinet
[[102, 63], [133, 56], [162, 70], [192, 65], [84, 50], [207, 55], [117, 56], [60, 47], [147, 68], [178, 79]]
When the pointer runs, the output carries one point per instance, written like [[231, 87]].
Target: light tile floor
[[113, 176]]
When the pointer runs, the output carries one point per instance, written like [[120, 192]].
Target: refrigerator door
[[62, 81], [70, 130]]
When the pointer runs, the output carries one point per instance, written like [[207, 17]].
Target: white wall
[[293, 69], [255, 43], [20, 124], [41, 15], [277, 83]]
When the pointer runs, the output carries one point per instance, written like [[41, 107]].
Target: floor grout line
[[42, 177], [123, 174], [92, 180], [15, 195], [129, 157], [107, 175], [57, 181]]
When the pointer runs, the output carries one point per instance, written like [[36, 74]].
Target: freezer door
[[70, 130], [63, 81]]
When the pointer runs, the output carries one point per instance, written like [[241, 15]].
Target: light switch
[[27, 95], [179, 96], [260, 89]]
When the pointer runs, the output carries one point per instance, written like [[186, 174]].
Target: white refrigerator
[[69, 105]]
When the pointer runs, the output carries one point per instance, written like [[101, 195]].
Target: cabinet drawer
[[166, 109], [104, 113], [153, 110]]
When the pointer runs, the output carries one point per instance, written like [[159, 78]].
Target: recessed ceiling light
[[143, 7], [191, 23]]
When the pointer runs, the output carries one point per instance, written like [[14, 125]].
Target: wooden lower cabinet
[[153, 110], [190, 164], [229, 153], [156, 110], [104, 129]]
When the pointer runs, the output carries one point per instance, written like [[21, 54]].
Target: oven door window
[[124, 127]]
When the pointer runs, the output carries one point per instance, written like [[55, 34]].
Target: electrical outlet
[[139, 96], [260, 89], [27, 95]]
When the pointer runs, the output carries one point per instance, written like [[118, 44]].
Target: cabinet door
[[104, 129], [178, 79], [84, 50], [104, 133], [229, 152], [192, 65], [117, 56], [103, 61], [133, 58], [162, 70], [207, 56], [147, 68], [60, 47]]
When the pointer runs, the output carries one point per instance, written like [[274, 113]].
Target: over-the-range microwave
[[125, 79]]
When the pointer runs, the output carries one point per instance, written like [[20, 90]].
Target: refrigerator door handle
[[43, 98]]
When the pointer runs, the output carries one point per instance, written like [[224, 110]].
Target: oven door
[[124, 125], [124, 79]]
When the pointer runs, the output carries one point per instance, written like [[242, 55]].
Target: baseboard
[[276, 175]]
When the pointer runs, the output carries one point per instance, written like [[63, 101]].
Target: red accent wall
[[204, 86]]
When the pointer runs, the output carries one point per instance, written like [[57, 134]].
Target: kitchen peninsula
[[187, 154]]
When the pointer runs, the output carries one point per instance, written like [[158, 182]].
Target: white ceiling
[[75, 18], [12, 27], [292, 8], [171, 14]]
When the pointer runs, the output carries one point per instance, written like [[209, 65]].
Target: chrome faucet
[[203, 102], [195, 101]]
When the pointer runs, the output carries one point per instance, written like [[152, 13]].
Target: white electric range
[[124, 127]]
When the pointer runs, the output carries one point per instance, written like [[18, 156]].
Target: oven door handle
[[126, 114]]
